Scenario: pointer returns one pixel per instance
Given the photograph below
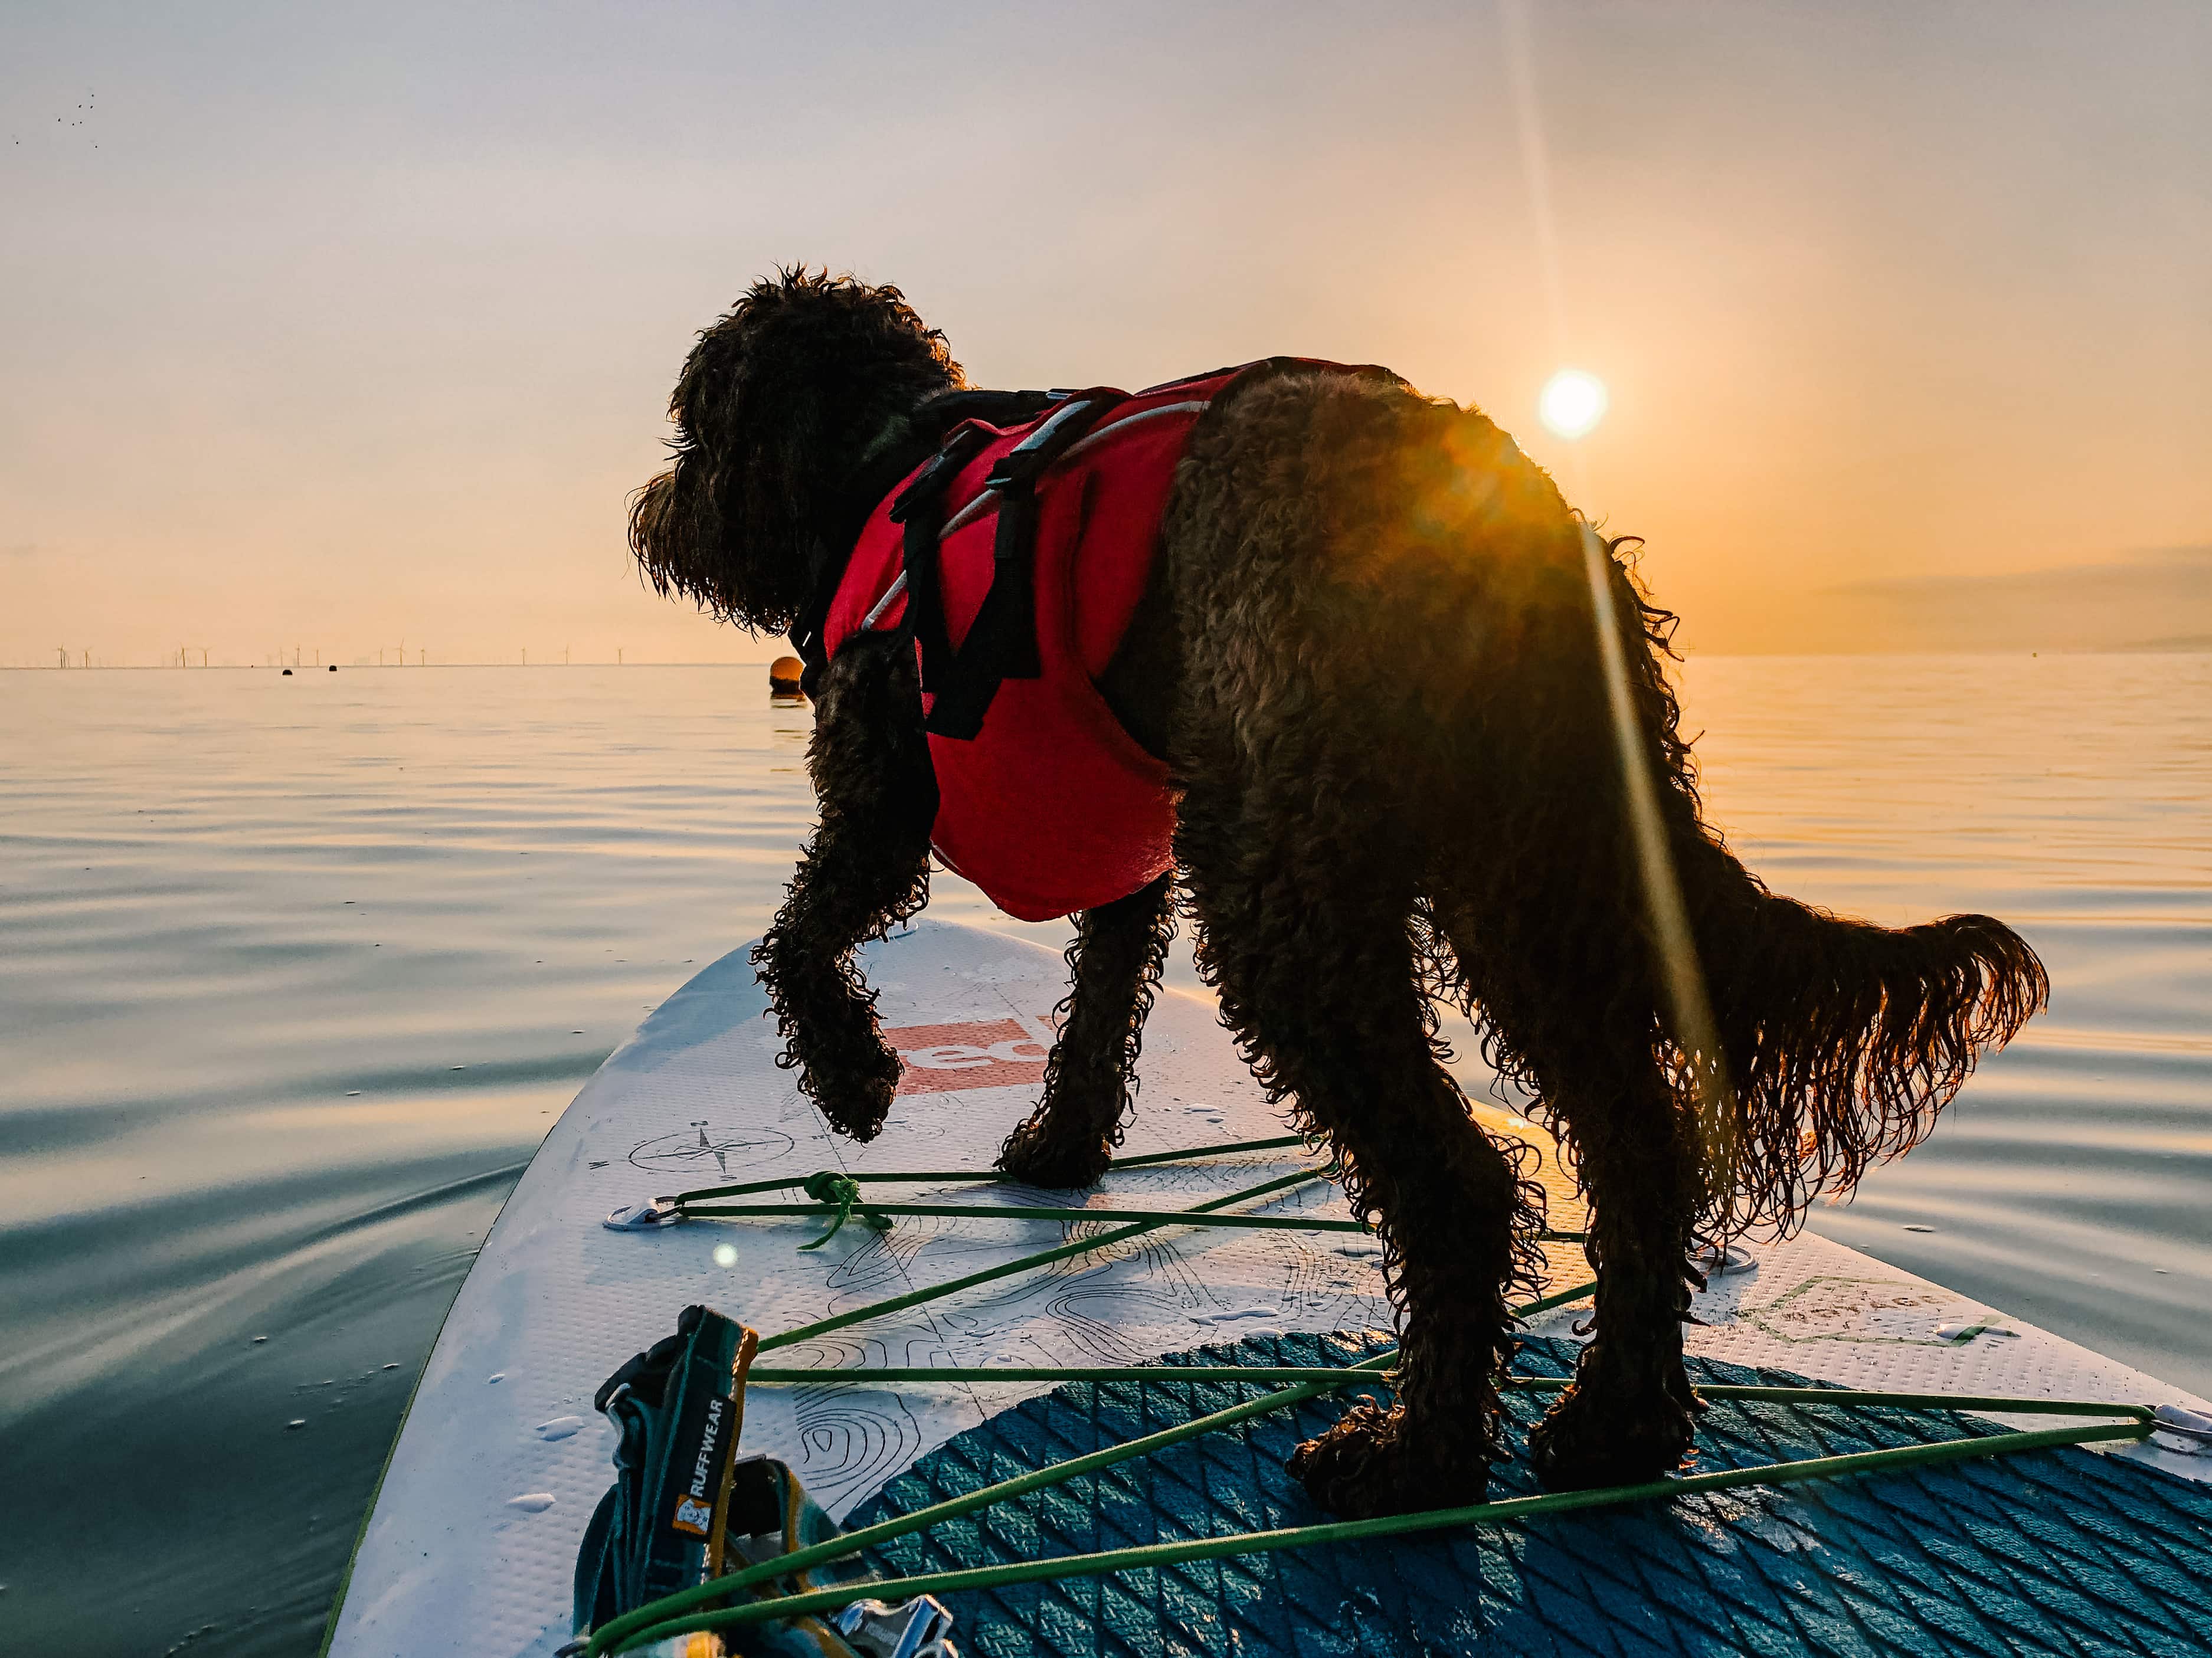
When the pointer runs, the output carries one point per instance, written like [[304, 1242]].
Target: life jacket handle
[[1001, 643]]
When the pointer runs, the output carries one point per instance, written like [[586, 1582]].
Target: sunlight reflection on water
[[298, 972]]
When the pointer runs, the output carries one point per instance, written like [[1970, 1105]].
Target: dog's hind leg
[[866, 869], [1088, 1081], [1629, 1415], [1556, 986], [1302, 920]]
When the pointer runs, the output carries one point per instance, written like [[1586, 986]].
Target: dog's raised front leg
[[1114, 967], [865, 869]]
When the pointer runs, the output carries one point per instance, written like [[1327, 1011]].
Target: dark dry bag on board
[[685, 1507]]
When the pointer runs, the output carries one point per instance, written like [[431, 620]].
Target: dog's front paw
[[1595, 1438], [1370, 1464], [856, 1102], [1035, 1156]]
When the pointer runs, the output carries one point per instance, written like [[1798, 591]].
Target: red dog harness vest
[[1017, 556]]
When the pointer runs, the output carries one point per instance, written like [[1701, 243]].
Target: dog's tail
[[1840, 1040], [1843, 1040]]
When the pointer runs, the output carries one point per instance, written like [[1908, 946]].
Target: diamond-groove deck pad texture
[[2061, 1550]]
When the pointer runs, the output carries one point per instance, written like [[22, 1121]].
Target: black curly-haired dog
[[1371, 656]]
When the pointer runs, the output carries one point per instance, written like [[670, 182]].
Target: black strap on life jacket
[[1001, 643], [920, 512], [865, 492]]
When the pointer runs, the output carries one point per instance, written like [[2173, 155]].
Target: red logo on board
[[937, 1059]]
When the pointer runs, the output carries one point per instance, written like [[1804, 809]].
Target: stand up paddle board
[[472, 1537]]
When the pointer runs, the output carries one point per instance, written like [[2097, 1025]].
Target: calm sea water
[[296, 973]]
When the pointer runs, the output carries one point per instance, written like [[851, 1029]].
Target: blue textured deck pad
[[2055, 1551]]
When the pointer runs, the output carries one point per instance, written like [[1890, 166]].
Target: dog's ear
[[777, 406]]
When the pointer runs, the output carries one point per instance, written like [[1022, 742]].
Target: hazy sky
[[343, 326]]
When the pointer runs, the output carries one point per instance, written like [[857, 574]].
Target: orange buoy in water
[[783, 675]]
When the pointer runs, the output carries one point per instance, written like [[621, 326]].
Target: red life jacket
[[1021, 553]]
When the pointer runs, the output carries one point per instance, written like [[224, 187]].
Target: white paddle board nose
[[643, 1216]]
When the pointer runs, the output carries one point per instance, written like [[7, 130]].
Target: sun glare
[[1572, 403]]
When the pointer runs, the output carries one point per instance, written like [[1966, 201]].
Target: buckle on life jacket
[[1001, 643]]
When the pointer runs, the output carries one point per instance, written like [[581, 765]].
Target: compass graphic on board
[[704, 1149]]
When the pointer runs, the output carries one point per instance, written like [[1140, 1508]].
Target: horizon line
[[2152, 647]]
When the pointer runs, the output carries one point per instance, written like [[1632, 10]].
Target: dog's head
[[779, 406]]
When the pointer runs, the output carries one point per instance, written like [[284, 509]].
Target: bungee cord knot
[[828, 1186]]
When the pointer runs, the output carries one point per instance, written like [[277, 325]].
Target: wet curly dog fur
[[1371, 659]]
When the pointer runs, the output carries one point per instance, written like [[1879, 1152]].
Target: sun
[[1572, 403]]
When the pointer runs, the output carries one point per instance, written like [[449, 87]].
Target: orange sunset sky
[[343, 327]]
